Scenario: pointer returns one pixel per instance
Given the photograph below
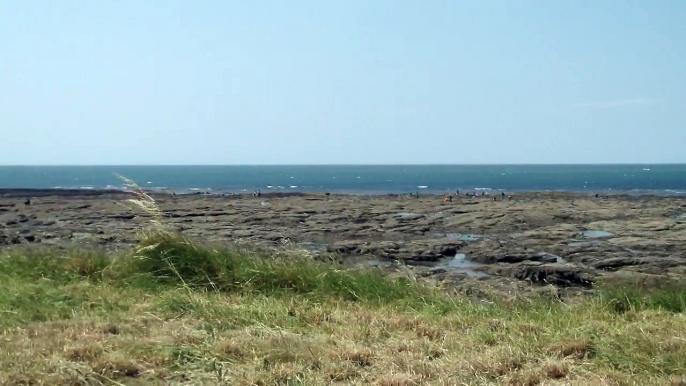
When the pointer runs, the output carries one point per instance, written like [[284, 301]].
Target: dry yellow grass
[[132, 337]]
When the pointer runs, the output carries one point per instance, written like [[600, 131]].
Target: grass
[[174, 311], [633, 296]]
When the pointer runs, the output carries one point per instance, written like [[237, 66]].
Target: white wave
[[149, 182], [269, 186], [646, 169], [294, 186], [359, 177], [483, 189], [422, 186]]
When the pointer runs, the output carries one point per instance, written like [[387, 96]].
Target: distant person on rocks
[[502, 195], [259, 194], [27, 202], [509, 197], [457, 193], [495, 199]]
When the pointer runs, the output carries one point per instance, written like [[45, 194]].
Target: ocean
[[369, 179]]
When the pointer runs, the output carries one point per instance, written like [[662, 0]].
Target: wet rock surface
[[568, 240]]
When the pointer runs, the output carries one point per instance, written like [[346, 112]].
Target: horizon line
[[351, 164]]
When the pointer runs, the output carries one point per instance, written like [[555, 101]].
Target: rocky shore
[[568, 240]]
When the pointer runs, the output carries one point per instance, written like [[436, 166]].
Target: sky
[[342, 82]]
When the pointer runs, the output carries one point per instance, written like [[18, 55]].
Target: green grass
[[176, 311], [635, 296]]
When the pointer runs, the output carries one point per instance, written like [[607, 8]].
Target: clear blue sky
[[342, 82]]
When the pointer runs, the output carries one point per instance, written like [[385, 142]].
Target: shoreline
[[86, 192]]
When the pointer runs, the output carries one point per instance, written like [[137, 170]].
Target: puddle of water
[[596, 234], [313, 246], [460, 263], [585, 243], [464, 236]]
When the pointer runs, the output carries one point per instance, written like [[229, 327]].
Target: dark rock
[[107, 240], [516, 258], [615, 263], [7, 239], [44, 223], [426, 256], [345, 247], [545, 257], [434, 271], [123, 216], [553, 274], [446, 249]]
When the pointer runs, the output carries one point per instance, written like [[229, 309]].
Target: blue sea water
[[657, 179]]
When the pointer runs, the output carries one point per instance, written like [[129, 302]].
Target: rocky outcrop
[[534, 238], [543, 274], [418, 250], [615, 263]]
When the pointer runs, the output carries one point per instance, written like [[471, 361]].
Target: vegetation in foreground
[[174, 311]]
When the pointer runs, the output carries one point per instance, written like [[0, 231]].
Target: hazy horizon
[[353, 83], [344, 164]]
